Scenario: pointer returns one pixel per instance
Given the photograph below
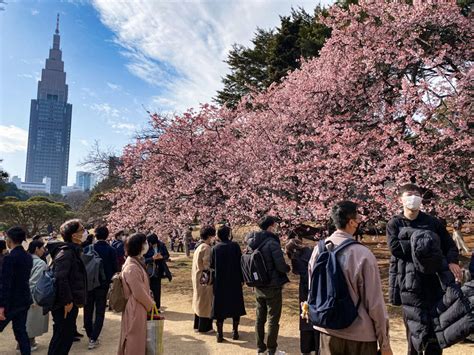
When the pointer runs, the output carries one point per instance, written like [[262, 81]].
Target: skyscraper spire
[[57, 24]]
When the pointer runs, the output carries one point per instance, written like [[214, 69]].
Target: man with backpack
[[97, 298], [421, 296], [269, 295], [71, 285], [345, 298]]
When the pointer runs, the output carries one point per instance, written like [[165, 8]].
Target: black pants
[[431, 349], [155, 287], [96, 300], [18, 319], [202, 325], [309, 341], [63, 331], [269, 304], [234, 320]]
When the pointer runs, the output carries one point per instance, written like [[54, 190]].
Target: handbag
[[154, 333], [206, 278]]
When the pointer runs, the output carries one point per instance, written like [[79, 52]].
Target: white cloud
[[13, 139], [121, 126], [84, 142], [114, 117], [180, 46], [34, 12], [105, 109], [89, 92], [35, 76], [114, 87]]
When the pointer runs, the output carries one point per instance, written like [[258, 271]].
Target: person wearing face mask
[[37, 322], [71, 285], [202, 292], [155, 261], [429, 289], [136, 287], [15, 296], [369, 330]]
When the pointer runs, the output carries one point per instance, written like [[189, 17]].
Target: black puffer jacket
[[423, 267], [454, 319], [273, 255], [70, 274], [400, 249]]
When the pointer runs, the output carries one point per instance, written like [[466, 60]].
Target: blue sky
[[120, 57]]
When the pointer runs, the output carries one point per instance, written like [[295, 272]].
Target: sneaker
[[34, 347], [93, 344]]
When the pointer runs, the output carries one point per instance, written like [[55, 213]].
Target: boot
[[220, 332], [235, 330]]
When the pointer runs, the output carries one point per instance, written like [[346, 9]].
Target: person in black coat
[[71, 285], [118, 245], [97, 298], [3, 253], [15, 296], [429, 289], [155, 260], [269, 297], [227, 283], [299, 254]]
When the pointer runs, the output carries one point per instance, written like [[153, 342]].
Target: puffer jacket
[[400, 249], [273, 255], [70, 274], [454, 318], [423, 267]]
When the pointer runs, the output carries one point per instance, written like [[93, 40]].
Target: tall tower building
[[50, 123]]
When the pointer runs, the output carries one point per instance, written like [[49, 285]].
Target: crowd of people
[[340, 291]]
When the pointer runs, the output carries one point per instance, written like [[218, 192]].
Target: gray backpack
[[94, 268]]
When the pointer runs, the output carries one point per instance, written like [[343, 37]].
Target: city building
[[68, 189], [50, 123], [33, 187], [86, 180]]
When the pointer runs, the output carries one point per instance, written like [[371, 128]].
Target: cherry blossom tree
[[388, 101]]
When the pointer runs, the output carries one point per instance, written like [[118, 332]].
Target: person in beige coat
[[136, 287], [202, 289]]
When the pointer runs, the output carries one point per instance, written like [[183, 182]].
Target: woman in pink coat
[[137, 290]]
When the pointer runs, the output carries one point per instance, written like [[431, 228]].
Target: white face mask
[[145, 248], [84, 236], [412, 202]]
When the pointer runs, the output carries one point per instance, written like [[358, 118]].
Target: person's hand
[[67, 309], [456, 270], [387, 351], [2, 313], [157, 256]]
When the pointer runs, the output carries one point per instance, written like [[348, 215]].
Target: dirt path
[[181, 340]]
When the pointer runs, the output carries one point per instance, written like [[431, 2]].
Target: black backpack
[[254, 270], [330, 304]]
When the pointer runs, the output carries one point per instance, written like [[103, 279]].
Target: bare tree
[[98, 159]]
